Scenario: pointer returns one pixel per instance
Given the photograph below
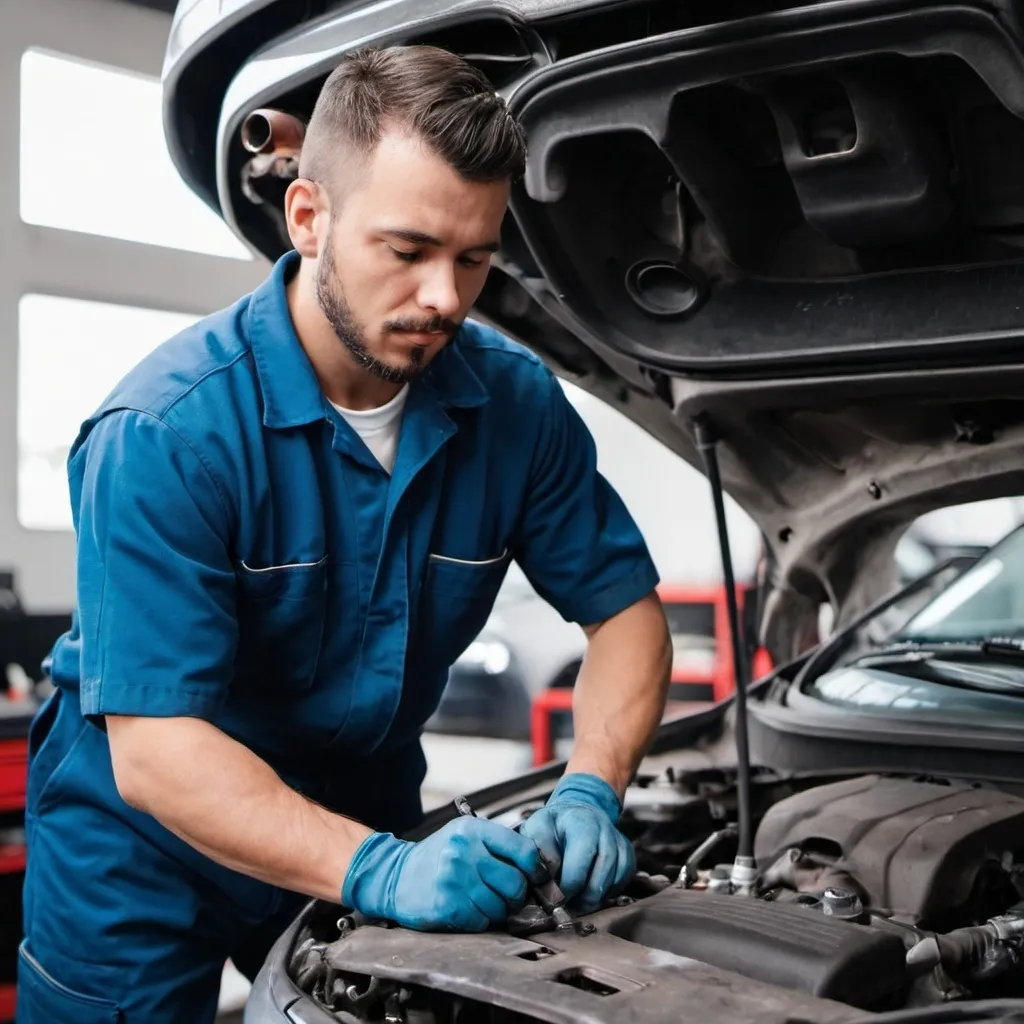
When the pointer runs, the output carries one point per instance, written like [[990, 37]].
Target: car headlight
[[490, 655]]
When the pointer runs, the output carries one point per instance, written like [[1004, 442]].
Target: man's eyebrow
[[422, 238]]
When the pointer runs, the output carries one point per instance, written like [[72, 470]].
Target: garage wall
[[54, 262]]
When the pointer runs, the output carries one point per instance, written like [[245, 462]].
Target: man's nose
[[439, 292]]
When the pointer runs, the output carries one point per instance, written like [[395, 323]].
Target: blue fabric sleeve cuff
[[582, 787], [590, 609], [150, 701]]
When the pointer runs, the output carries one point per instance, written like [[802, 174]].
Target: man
[[291, 519]]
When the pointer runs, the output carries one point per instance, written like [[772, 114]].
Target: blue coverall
[[243, 558]]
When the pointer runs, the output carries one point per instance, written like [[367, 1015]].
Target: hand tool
[[547, 894]]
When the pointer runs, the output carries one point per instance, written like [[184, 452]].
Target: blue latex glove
[[575, 831], [468, 875]]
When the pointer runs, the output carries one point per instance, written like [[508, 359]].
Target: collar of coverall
[[291, 392]]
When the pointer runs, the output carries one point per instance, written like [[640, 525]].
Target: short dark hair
[[439, 96]]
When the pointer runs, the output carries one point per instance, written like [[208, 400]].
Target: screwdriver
[[547, 893]]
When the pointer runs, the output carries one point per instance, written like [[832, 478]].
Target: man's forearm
[[620, 694], [230, 805]]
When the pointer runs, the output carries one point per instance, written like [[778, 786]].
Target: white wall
[[36, 259]]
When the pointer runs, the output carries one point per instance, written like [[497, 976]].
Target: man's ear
[[305, 206]]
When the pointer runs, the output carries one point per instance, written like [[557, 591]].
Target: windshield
[[987, 600]]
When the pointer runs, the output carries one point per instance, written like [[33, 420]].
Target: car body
[[789, 233]]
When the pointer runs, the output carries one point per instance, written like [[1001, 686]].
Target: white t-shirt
[[379, 428]]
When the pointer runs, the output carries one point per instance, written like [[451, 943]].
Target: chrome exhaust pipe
[[274, 139], [273, 131]]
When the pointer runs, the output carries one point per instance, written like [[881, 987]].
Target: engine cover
[[916, 848], [789, 946]]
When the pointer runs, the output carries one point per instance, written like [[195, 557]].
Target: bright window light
[[101, 166], [71, 353]]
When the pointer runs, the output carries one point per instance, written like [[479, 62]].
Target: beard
[[352, 335]]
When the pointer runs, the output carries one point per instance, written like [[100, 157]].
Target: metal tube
[[273, 131], [743, 869], [690, 870]]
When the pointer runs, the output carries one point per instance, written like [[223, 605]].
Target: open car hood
[[804, 222]]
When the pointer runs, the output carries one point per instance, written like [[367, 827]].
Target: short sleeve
[[578, 545], [156, 589]]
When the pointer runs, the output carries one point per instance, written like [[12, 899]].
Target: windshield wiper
[[827, 653], [965, 665], [996, 648], [1003, 647]]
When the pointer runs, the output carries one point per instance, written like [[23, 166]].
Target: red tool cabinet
[[15, 718], [705, 677]]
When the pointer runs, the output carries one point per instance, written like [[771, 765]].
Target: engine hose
[[978, 953], [691, 868]]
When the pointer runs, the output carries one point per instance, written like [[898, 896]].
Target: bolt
[[837, 902], [874, 490]]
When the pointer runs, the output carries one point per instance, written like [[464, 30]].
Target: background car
[[524, 648]]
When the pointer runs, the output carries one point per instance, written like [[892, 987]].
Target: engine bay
[[872, 894]]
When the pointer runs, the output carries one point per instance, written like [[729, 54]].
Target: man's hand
[[465, 877], [576, 833], [618, 700]]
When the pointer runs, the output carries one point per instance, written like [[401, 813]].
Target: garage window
[[100, 165], [71, 353]]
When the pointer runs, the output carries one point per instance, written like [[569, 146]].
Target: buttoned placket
[[413, 497]]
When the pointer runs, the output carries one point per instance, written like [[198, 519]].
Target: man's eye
[[406, 256], [467, 262]]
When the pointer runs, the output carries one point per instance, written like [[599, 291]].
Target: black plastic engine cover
[[787, 945], [916, 848]]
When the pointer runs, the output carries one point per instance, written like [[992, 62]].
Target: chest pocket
[[281, 611], [455, 603]]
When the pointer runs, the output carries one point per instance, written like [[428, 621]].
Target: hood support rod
[[744, 870]]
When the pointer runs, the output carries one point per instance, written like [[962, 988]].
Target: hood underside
[[807, 248], [804, 222]]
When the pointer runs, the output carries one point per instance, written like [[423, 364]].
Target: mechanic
[[291, 519]]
